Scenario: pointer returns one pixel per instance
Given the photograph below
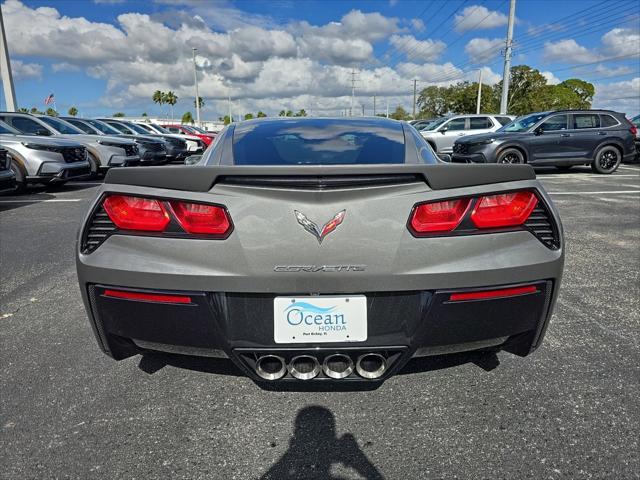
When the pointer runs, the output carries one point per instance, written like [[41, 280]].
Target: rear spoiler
[[195, 178]]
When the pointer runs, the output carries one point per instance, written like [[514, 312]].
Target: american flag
[[49, 99]]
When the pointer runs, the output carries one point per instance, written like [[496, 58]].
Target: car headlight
[[107, 143], [483, 142], [39, 146]]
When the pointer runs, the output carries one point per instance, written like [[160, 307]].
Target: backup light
[[503, 210], [442, 216], [201, 218]]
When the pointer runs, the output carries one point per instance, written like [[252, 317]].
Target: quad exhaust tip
[[304, 367], [271, 367], [337, 366], [371, 365]]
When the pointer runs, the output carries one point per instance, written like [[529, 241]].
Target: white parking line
[[53, 200], [578, 176], [594, 193]]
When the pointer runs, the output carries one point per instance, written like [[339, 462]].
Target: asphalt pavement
[[570, 410]]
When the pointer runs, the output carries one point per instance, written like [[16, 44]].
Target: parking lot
[[570, 410]]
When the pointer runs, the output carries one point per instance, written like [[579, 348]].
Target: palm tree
[[51, 112], [73, 111], [158, 97], [118, 114], [248, 116], [23, 110], [170, 98], [261, 114], [187, 117]]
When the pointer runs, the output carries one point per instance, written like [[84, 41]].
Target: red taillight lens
[[487, 294], [503, 210], [441, 216], [632, 128], [201, 218], [136, 213], [147, 297]]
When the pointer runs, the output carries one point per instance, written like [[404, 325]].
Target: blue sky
[[105, 56]]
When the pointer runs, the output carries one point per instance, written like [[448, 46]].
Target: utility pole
[[414, 98], [229, 105], [363, 109], [506, 74], [374, 105], [479, 92], [5, 70], [353, 89], [195, 76], [387, 108]]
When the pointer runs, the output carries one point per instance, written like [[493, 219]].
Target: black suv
[[600, 138]]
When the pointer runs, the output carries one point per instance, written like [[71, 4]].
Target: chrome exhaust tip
[[337, 366], [304, 367], [371, 365], [271, 367]]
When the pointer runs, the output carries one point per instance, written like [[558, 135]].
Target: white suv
[[442, 133]]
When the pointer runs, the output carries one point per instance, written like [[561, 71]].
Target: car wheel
[[511, 156], [94, 164], [21, 183], [607, 160]]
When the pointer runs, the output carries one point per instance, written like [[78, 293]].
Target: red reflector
[[504, 209], [148, 297], [441, 216], [136, 213], [484, 294], [201, 218]]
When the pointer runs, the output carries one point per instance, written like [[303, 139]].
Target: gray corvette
[[324, 250]]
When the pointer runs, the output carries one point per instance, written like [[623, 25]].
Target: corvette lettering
[[319, 268]]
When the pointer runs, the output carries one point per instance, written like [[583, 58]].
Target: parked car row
[[47, 150], [600, 138]]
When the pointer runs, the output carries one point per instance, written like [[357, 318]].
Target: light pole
[[195, 76], [5, 70]]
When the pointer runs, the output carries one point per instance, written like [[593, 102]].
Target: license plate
[[320, 319]]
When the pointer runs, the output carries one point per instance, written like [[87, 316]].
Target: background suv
[[600, 138], [102, 153], [206, 137], [46, 160], [442, 133]]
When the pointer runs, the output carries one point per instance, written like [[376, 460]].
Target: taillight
[[632, 128], [156, 215], [503, 210], [136, 213], [468, 214], [201, 218], [486, 294], [442, 216], [147, 297]]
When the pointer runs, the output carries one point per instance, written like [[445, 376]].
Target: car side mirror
[[443, 130], [538, 131], [43, 132], [192, 159]]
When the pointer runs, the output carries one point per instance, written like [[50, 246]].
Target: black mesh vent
[[542, 225], [153, 146], [97, 231], [460, 148], [73, 154], [130, 150], [321, 182]]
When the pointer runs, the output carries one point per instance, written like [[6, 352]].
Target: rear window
[[477, 123], [504, 120], [318, 142], [585, 120], [608, 121]]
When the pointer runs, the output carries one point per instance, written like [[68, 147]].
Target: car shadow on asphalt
[[314, 450], [39, 193], [152, 362]]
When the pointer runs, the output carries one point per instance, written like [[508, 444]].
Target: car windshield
[[435, 124], [61, 126], [4, 128], [120, 127], [318, 142], [160, 129], [197, 129], [146, 127], [523, 124], [81, 125], [104, 127], [136, 128]]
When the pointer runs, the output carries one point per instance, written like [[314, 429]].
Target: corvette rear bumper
[[241, 326]]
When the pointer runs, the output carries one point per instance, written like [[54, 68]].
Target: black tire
[[564, 168], [94, 164], [21, 182], [511, 156], [607, 160]]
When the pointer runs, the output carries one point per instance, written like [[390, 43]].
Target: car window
[[456, 124], [25, 125], [82, 126], [61, 126], [477, 123], [552, 124], [4, 128], [173, 129], [119, 127], [504, 120], [607, 121], [522, 124], [585, 120], [104, 127], [318, 141]]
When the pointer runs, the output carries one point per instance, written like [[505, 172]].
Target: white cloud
[[420, 50], [568, 51], [476, 17], [620, 96], [551, 78], [23, 71], [483, 49], [417, 24], [621, 41]]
